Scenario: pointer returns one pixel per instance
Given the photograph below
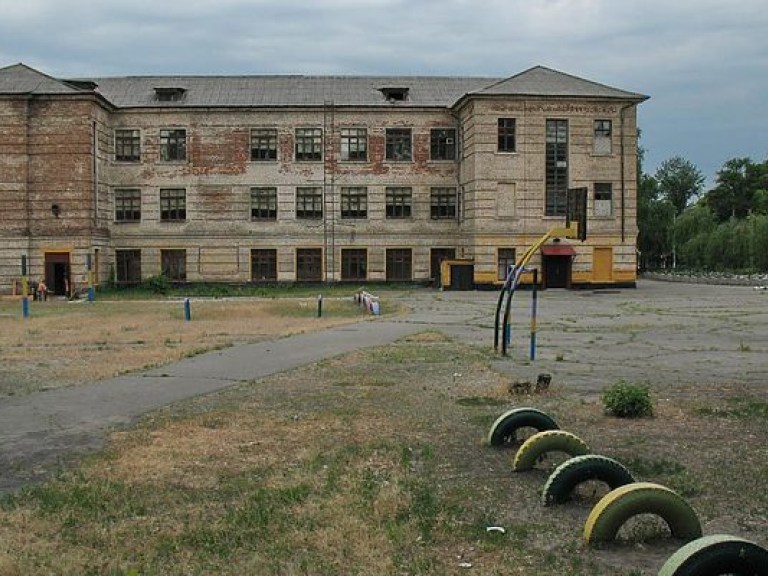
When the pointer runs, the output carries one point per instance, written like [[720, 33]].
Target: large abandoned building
[[310, 178]]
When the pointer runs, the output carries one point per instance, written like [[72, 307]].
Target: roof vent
[[395, 94], [170, 94]]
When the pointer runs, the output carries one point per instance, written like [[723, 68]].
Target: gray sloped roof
[[308, 91], [541, 81], [21, 79]]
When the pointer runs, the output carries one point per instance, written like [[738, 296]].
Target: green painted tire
[[573, 472], [547, 441], [622, 503], [717, 554], [504, 429]]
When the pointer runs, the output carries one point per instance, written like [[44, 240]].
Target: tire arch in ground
[[578, 469], [621, 504], [547, 441], [507, 425], [717, 554]]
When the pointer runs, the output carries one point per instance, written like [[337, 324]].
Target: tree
[[654, 220], [739, 187], [679, 181]]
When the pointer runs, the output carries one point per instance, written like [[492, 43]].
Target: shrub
[[627, 400], [158, 284]]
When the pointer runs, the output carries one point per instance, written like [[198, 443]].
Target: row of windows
[[309, 203], [309, 264], [308, 143]]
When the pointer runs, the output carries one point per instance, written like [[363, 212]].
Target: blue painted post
[[24, 288], [534, 306], [319, 305], [187, 310], [91, 290]]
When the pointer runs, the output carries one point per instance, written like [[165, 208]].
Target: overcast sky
[[703, 62]]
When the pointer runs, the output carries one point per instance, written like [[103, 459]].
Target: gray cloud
[[703, 62]]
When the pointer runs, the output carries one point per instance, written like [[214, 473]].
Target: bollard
[[534, 306], [187, 310], [25, 307], [319, 305]]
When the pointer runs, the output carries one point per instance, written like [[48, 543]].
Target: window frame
[[399, 144], [127, 209], [503, 262], [443, 203], [263, 144], [173, 204], [506, 135], [263, 203], [354, 264], [442, 146], [309, 202], [264, 259], [173, 140], [556, 166], [399, 268], [128, 266], [133, 143], [309, 264], [606, 188], [354, 202], [353, 144], [398, 202], [311, 137], [602, 143], [166, 264]]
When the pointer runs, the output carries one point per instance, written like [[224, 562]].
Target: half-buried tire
[[717, 554], [621, 504], [547, 441], [573, 472], [504, 429]]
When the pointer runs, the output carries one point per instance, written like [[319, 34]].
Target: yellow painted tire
[[717, 554], [504, 429], [547, 441], [619, 505]]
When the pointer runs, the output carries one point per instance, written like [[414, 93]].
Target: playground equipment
[[504, 429], [575, 227]]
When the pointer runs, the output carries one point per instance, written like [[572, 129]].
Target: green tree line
[[722, 229]]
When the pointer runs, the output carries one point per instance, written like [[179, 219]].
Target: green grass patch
[[481, 401]]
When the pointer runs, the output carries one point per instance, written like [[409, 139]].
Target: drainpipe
[[622, 114]]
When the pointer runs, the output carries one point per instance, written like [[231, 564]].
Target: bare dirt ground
[[373, 462]]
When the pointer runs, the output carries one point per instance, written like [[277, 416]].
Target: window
[[263, 203], [309, 264], [354, 144], [173, 145], [171, 94], [127, 146], [442, 144], [354, 264], [263, 144], [398, 202], [174, 264], [128, 266], [399, 144], [556, 167], [309, 203], [354, 202], [263, 265], [395, 94], [505, 259], [173, 204], [127, 205], [399, 264], [309, 144], [506, 130], [603, 205], [443, 204], [602, 141]]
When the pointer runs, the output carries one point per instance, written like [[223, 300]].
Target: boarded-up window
[[602, 141], [506, 198], [603, 207]]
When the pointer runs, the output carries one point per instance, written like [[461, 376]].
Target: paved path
[[665, 334]]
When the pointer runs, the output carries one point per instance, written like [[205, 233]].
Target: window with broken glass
[[442, 203], [354, 202], [309, 203], [127, 204], [506, 135], [127, 146], [354, 144], [174, 264], [398, 144], [309, 144], [173, 145], [263, 144], [398, 202], [442, 144], [173, 204], [263, 203]]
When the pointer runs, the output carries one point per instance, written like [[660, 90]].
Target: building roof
[[307, 91]]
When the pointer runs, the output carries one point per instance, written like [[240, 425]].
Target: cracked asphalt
[[665, 334]]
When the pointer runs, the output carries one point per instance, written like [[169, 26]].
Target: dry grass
[[65, 343], [374, 464]]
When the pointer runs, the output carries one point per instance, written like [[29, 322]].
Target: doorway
[[557, 272], [436, 256], [57, 273]]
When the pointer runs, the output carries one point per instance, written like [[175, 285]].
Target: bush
[[626, 400], [158, 284]]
